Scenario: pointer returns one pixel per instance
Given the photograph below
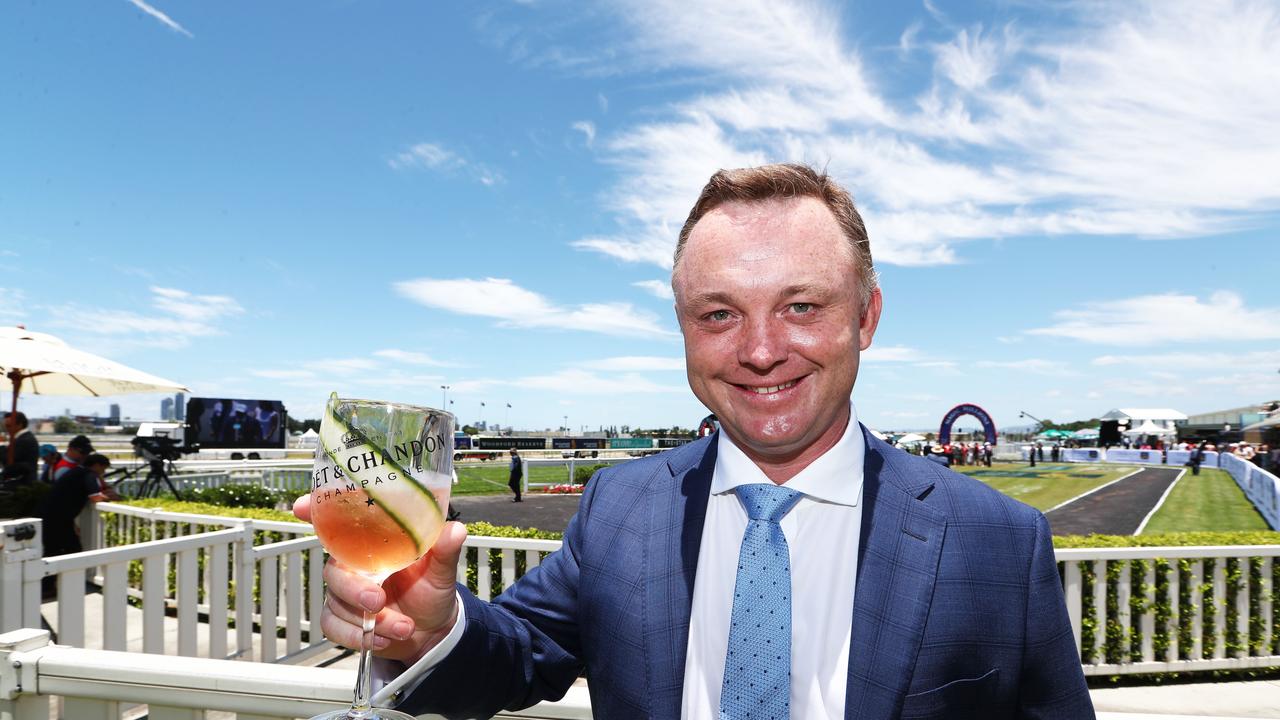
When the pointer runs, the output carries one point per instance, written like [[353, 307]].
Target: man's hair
[[96, 459], [784, 181], [19, 417]]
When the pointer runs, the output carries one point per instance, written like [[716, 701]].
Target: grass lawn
[[1210, 502], [491, 478], [1047, 484]]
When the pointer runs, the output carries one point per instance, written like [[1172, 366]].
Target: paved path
[[537, 510], [1116, 509]]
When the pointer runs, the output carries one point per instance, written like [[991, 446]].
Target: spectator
[[517, 472], [78, 449], [939, 455], [64, 502], [22, 454], [1197, 458], [50, 455]]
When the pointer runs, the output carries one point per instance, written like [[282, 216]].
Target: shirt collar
[[836, 476], [23, 430]]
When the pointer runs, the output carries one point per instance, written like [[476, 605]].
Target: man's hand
[[416, 607]]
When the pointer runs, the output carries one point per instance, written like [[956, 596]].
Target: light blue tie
[[757, 669]]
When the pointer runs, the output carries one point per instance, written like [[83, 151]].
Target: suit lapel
[[898, 552], [675, 536]]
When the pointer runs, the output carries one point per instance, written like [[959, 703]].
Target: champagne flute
[[379, 489]]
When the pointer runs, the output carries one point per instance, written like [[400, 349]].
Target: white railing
[[570, 464], [193, 576], [1261, 487], [1166, 609], [104, 685]]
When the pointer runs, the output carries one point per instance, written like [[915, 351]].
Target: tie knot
[[767, 502]]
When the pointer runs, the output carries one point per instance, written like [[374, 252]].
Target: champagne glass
[[379, 490]]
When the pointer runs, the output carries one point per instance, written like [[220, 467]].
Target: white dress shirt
[[822, 537]]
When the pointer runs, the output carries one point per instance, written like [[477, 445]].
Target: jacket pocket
[[956, 700]]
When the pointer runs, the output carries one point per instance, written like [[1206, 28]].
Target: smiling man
[[789, 565]]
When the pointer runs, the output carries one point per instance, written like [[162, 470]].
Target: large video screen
[[234, 423]]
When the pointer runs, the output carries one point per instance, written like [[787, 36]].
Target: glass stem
[[360, 707]]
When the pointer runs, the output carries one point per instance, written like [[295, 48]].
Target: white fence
[[108, 685], [171, 583]]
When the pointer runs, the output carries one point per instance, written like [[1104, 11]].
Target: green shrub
[[239, 496], [583, 473], [23, 500], [183, 506]]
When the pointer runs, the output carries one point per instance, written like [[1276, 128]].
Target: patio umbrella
[[44, 365]]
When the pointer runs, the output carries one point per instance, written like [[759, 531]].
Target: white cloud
[[12, 303], [588, 130], [412, 358], [425, 155], [499, 298], [1037, 366], [199, 308], [283, 374], [1194, 361], [892, 353], [581, 382], [180, 316], [168, 21], [657, 288], [635, 364], [436, 157], [1101, 123], [1167, 318]]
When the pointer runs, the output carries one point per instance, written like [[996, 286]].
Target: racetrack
[[1115, 509]]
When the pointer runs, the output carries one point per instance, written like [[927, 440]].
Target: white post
[[18, 700], [1072, 589], [20, 541]]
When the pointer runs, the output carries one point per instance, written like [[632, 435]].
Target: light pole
[[566, 426], [506, 417], [444, 396]]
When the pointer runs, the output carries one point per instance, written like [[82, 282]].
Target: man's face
[[767, 296], [11, 424]]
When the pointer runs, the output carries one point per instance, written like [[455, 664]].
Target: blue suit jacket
[[958, 610]]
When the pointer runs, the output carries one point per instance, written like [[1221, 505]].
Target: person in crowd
[[60, 508], [49, 457], [22, 455], [78, 448], [656, 590], [515, 473], [1031, 454], [939, 455], [1196, 459], [987, 452]]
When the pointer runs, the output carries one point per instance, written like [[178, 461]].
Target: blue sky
[[1072, 205]]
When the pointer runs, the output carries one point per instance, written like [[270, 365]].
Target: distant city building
[[179, 407], [166, 409], [114, 415]]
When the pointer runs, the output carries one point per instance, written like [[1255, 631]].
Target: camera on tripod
[[158, 448]]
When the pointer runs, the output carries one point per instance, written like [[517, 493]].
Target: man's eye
[[718, 315], [801, 308]]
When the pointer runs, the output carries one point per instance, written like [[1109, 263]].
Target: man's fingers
[[388, 624], [302, 508], [442, 561], [345, 634], [353, 588]]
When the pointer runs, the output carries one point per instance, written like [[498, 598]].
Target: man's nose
[[764, 345]]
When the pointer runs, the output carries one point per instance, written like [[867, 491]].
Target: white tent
[[308, 439], [1149, 428], [910, 438]]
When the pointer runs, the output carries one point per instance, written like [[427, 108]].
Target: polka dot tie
[[757, 669]]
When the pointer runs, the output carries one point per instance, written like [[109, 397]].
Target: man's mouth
[[768, 389]]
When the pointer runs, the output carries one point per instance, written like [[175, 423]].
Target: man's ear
[[870, 319]]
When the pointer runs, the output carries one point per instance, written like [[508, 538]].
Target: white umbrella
[[44, 365], [911, 438]]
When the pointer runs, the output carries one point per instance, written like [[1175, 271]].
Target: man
[[22, 455], [67, 498], [515, 473], [50, 457], [78, 448], [891, 586]]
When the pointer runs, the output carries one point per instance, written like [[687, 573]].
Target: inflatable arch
[[988, 426]]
